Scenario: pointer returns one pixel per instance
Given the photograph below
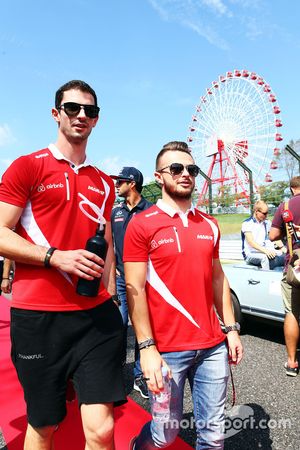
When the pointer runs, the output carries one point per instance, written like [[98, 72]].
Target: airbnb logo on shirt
[[42, 188], [54, 186], [155, 244]]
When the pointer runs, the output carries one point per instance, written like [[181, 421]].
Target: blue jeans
[[121, 290], [207, 371]]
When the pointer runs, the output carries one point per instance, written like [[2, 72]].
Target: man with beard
[[55, 198], [175, 285]]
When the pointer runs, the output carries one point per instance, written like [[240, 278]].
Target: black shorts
[[48, 348]]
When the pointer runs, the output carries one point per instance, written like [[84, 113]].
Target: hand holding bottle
[[97, 245], [160, 402]]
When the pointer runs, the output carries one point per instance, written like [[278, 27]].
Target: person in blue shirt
[[129, 185]]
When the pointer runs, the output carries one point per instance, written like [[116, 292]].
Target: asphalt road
[[267, 400]]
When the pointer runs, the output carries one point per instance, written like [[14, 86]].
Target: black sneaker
[[291, 371], [141, 386]]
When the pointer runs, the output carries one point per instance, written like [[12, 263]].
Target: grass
[[230, 223]]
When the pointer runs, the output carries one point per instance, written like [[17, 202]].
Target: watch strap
[[234, 327], [48, 256], [146, 344]]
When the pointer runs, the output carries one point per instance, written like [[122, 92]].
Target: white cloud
[[6, 136], [214, 19], [209, 34], [218, 6], [189, 14]]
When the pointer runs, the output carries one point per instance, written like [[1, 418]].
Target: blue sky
[[149, 62]]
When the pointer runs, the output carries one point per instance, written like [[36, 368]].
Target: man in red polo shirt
[[55, 199], [175, 284]]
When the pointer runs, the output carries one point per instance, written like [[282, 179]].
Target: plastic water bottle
[[160, 403], [98, 245]]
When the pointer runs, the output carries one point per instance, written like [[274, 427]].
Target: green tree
[[225, 197], [273, 193], [287, 162], [152, 192]]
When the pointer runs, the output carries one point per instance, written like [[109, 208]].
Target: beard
[[179, 193]]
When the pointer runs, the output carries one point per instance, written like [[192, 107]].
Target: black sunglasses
[[178, 168], [72, 109], [264, 213]]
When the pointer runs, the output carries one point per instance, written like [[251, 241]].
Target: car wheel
[[237, 309]]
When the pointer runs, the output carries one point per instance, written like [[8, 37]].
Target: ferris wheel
[[238, 119]]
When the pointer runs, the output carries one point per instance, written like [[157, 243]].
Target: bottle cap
[[101, 227], [164, 371]]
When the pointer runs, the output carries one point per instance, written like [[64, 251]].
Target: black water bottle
[[98, 245]]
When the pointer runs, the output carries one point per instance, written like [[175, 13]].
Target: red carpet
[[129, 418]]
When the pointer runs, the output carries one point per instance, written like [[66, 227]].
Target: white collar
[[172, 211], [58, 155]]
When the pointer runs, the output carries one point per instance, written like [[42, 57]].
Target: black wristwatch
[[146, 344], [235, 327]]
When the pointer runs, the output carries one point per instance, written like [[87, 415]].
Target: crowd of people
[[162, 266]]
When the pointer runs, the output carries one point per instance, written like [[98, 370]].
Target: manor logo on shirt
[[205, 237], [42, 155], [151, 214], [92, 188]]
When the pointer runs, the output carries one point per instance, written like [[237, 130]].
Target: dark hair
[[177, 146], [139, 188], [73, 84], [295, 182]]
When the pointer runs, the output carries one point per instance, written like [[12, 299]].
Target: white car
[[255, 291]]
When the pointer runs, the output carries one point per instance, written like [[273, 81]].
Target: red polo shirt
[[179, 250], [59, 201]]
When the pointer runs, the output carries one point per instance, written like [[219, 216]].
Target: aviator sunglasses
[[178, 168], [72, 109]]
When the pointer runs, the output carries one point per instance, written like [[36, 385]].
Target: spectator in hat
[[129, 185]]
